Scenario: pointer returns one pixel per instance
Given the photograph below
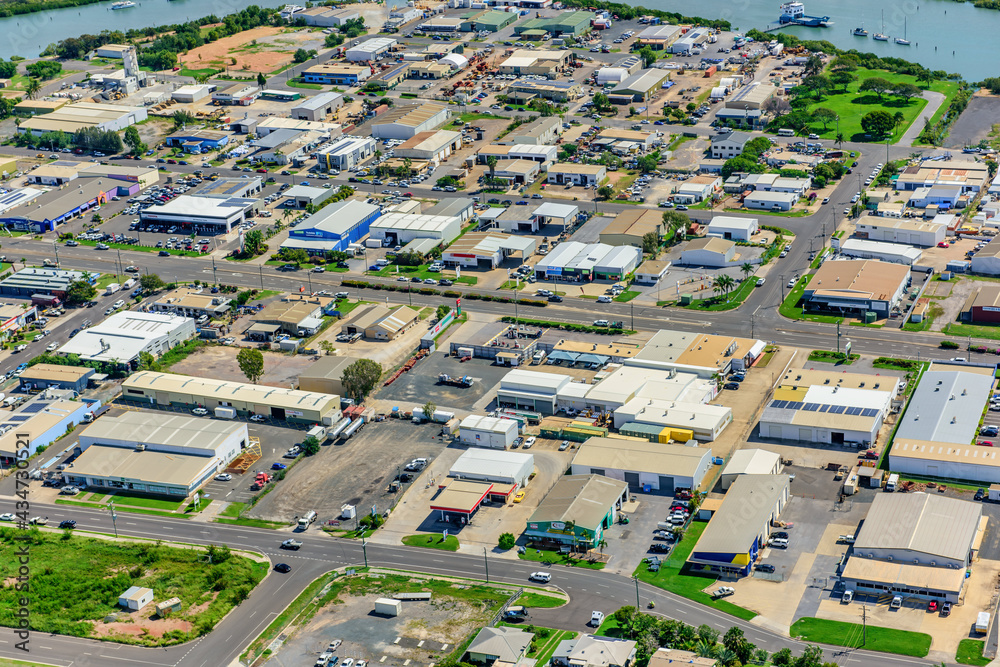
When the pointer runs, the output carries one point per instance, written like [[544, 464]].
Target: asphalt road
[[589, 590]]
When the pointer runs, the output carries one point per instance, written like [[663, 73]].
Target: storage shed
[[135, 598], [388, 607], [168, 606]]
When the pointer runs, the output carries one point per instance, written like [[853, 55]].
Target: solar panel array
[[822, 407]]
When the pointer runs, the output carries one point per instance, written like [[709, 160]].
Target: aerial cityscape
[[501, 333]]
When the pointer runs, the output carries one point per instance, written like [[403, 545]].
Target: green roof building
[[577, 511], [566, 23], [493, 20]]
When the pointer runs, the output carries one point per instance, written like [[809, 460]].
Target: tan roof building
[[325, 375], [672, 657], [631, 225], [577, 174], [381, 323], [192, 303], [295, 313], [853, 287]]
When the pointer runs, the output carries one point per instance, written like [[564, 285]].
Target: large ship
[[795, 12], [123, 4]]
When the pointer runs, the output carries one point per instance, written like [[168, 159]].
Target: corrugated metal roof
[[927, 524]]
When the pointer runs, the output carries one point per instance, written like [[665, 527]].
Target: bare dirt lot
[[424, 634], [975, 122], [258, 50], [356, 472], [219, 361]]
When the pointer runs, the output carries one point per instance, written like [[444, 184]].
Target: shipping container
[[388, 607], [225, 413]]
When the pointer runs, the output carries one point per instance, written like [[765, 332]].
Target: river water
[[28, 35], [944, 35]]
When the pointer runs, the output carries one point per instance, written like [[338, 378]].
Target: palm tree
[[706, 649], [746, 269], [725, 658], [32, 88], [839, 140], [686, 636], [601, 544], [897, 118], [724, 283], [491, 162]]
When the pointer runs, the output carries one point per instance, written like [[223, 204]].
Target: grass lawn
[[553, 558], [106, 279], [676, 576], [838, 358], [546, 641], [838, 633], [932, 311], [626, 296], [970, 652], [539, 600], [852, 105], [7, 662], [207, 71], [469, 117], [719, 302], [433, 541], [769, 353], [974, 330], [80, 572], [231, 514], [150, 503], [295, 83], [609, 628], [790, 306], [420, 272], [121, 508]]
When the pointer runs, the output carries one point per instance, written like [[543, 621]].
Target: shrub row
[[566, 326], [453, 294]]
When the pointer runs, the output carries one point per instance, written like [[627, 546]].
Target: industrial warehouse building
[[325, 375], [750, 462], [895, 253], [72, 118], [336, 74], [704, 355], [401, 228], [346, 153], [639, 87], [914, 231], [192, 303], [741, 525], [942, 419], [333, 227], [708, 251], [435, 147], [381, 323], [683, 420], [579, 262], [52, 282], [488, 465], [318, 107], [763, 200], [43, 376], [732, 228], [854, 287], [483, 431], [564, 173], [163, 454], [982, 306], [404, 122], [295, 314], [630, 225], [218, 215], [167, 389], [123, 336], [370, 50], [45, 418], [646, 467], [486, 250], [577, 511], [915, 545]]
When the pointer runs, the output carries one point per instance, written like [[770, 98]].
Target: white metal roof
[[553, 210], [752, 462], [123, 335], [493, 462]]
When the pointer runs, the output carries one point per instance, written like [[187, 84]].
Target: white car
[[52, 347], [334, 645], [7, 517], [223, 477], [529, 442], [257, 418], [543, 577], [201, 412]]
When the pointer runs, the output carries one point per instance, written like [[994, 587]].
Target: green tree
[[442, 311], [44, 69], [817, 84], [814, 65], [746, 269], [825, 116], [650, 243], [360, 378], [877, 85], [674, 222], [253, 242], [151, 283], [605, 192], [648, 56], [782, 658], [839, 140], [80, 291], [897, 120], [429, 409], [724, 283], [842, 79], [506, 541], [647, 163], [905, 91], [134, 141], [310, 445], [182, 118], [251, 362], [301, 55], [491, 162], [32, 88], [297, 255], [261, 79], [601, 102], [878, 122], [741, 164]]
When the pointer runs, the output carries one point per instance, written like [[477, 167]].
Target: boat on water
[[881, 36], [902, 40], [860, 32], [123, 4], [795, 13]]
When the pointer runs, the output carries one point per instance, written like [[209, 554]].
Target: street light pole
[[636, 580], [114, 518], [486, 562], [364, 548], [260, 269]]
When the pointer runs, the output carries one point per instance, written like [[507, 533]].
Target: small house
[[135, 598]]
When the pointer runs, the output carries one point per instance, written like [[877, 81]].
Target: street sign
[[847, 349]]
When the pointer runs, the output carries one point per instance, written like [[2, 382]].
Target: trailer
[[388, 607], [464, 381], [339, 428], [353, 428], [223, 412]]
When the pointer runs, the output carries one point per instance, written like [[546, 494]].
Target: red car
[[932, 605], [871, 454], [942, 244], [262, 171], [986, 443]]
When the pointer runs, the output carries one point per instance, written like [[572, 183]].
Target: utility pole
[[215, 275], [114, 518], [864, 625], [260, 268], [636, 580], [486, 562], [838, 337], [782, 276], [968, 350], [632, 314], [364, 548], [56, 249]]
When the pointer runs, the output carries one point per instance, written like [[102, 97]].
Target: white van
[[538, 357], [786, 132]]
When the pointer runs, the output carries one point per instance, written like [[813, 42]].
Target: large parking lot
[[354, 472]]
